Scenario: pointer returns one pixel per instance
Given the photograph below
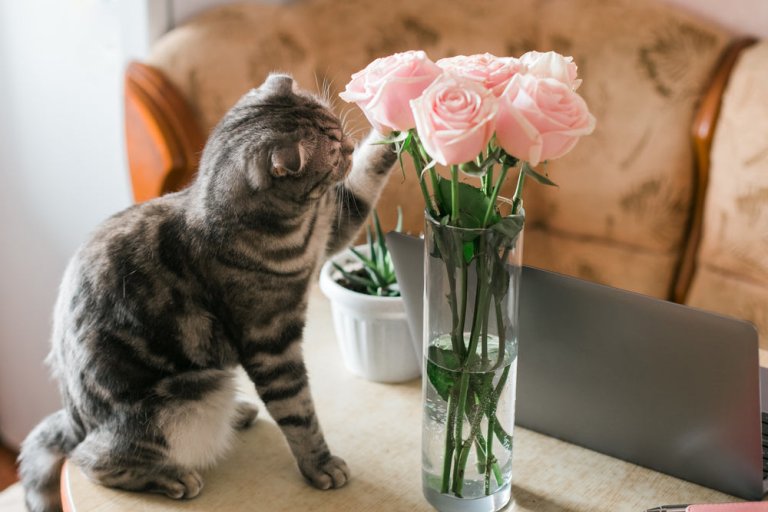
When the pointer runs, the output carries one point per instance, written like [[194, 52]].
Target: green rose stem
[[461, 456], [457, 339], [495, 194], [432, 172], [494, 400], [455, 195], [418, 164], [517, 199], [459, 447], [463, 316], [450, 443], [466, 447], [420, 158], [487, 180]]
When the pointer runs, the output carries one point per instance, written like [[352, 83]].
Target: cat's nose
[[280, 83]]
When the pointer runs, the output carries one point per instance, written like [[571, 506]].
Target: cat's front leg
[[354, 198], [276, 366]]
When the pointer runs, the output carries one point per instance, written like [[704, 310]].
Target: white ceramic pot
[[373, 332]]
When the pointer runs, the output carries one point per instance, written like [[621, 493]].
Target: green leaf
[[468, 249], [376, 278], [369, 239], [380, 250], [354, 278], [399, 226], [472, 204], [439, 363], [473, 169], [540, 178], [510, 227], [362, 257]]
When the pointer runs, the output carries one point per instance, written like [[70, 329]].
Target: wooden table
[[376, 429]]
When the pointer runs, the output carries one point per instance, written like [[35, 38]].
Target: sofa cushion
[[625, 192], [732, 269]]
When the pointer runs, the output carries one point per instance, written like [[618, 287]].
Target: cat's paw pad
[[184, 485], [329, 473], [245, 415]]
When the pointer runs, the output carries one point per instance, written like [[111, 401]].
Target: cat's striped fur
[[168, 297]]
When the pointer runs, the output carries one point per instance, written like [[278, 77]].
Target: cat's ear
[[279, 83], [288, 160]]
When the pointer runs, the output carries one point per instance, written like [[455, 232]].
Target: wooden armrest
[[163, 140], [702, 133]]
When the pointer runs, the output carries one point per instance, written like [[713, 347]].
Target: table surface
[[376, 429]]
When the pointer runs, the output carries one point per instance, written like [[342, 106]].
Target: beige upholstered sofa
[[650, 202]]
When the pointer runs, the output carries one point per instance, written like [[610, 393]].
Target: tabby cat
[[162, 303]]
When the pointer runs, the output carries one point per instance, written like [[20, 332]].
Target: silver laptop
[[659, 384]]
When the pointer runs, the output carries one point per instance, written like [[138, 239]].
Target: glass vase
[[472, 279]]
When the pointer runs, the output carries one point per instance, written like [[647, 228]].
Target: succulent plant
[[377, 275]]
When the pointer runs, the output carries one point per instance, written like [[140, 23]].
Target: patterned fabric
[[732, 273], [625, 196]]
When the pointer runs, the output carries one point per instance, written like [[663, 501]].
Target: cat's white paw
[[330, 473], [245, 414]]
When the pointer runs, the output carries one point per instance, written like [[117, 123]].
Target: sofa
[[668, 197]]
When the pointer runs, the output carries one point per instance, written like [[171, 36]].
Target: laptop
[[662, 385]]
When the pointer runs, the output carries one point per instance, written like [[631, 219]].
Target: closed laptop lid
[[663, 385]]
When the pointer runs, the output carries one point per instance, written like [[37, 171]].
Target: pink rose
[[385, 87], [551, 65], [541, 119], [491, 71], [454, 118]]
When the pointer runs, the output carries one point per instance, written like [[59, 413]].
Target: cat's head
[[282, 141]]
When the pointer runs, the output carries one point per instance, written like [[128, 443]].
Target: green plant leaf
[[379, 237], [353, 277], [369, 239], [468, 249], [367, 262], [473, 169], [399, 226], [377, 264], [472, 204], [539, 178], [376, 277], [510, 227], [438, 364]]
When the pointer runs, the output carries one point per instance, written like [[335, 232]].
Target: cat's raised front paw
[[328, 473]]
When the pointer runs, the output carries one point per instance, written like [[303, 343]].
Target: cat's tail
[[40, 461]]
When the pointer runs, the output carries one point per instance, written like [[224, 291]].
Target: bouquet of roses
[[473, 114]]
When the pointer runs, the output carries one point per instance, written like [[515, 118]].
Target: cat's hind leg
[[187, 425], [115, 460]]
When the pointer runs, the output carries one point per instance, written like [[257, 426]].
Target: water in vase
[[467, 463]]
